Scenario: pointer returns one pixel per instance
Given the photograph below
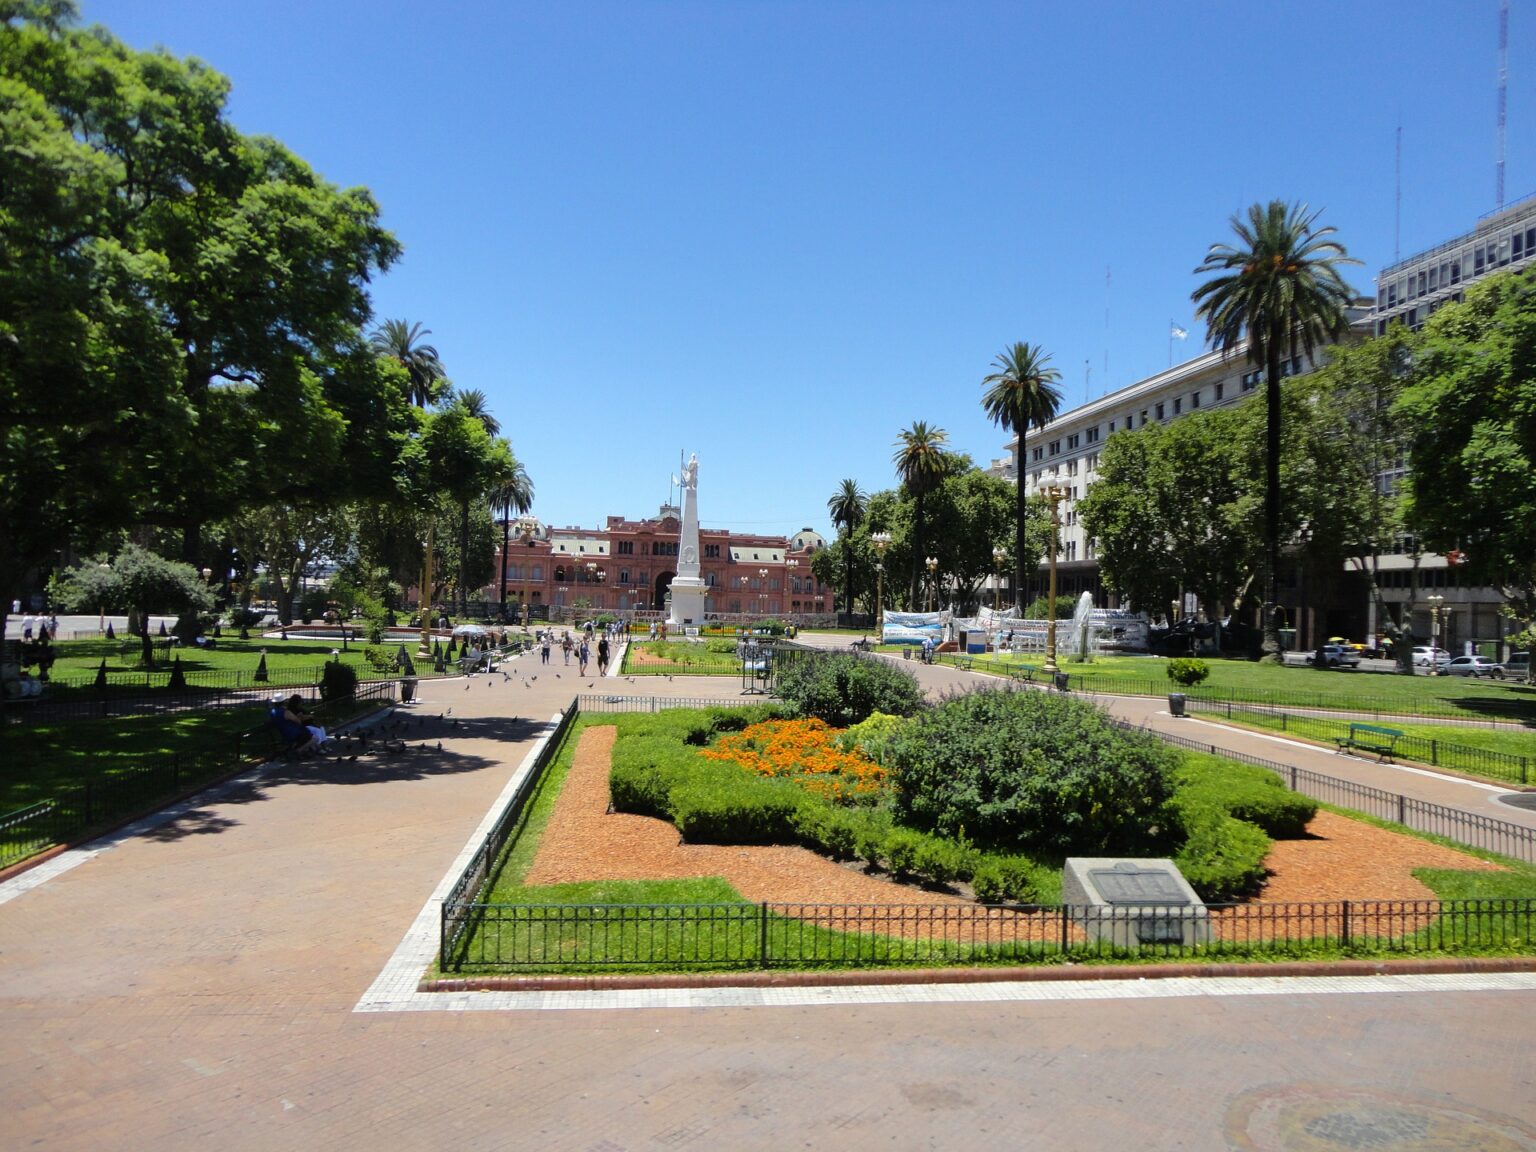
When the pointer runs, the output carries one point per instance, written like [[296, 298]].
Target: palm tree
[[921, 460], [1279, 289], [1022, 394], [847, 507], [476, 404], [399, 340], [514, 495]]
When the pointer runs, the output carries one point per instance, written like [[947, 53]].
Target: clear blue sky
[[775, 234]]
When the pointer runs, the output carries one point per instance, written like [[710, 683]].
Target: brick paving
[[196, 984]]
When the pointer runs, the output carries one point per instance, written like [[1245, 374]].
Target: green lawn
[[712, 657], [1299, 687]]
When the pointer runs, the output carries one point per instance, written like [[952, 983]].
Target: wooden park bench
[[1025, 672], [1370, 738]]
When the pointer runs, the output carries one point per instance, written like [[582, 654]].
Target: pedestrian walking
[[602, 656], [583, 654], [544, 646], [566, 645]]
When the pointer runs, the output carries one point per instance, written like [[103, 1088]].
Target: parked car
[[1518, 666], [1478, 666], [1335, 656], [1424, 656], [1354, 646]]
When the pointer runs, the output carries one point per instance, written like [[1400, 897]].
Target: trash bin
[[1176, 703], [906, 653], [1061, 681], [407, 690]]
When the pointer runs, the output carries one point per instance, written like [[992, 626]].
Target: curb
[[634, 981]]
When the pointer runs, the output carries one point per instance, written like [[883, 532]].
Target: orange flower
[[804, 751]]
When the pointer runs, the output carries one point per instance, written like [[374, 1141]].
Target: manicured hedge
[[1248, 793]]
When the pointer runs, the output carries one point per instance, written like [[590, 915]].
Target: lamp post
[[932, 564], [1055, 493], [762, 579], [792, 569], [881, 541], [1436, 607], [998, 556], [101, 602]]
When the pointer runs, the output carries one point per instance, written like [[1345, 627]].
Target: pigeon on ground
[[439, 745]]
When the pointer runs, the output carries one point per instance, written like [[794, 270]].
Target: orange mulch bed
[[1341, 859]]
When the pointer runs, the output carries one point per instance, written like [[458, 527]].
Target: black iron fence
[[596, 702], [1434, 752], [490, 937], [764, 936], [481, 869], [139, 784]]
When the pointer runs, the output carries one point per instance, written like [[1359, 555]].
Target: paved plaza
[[224, 979]]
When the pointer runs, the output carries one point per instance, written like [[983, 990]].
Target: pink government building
[[628, 565]]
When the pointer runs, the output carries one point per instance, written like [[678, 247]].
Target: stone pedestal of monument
[[1131, 903], [688, 588]]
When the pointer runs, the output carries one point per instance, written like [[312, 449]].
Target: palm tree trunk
[[917, 550], [463, 558], [848, 577], [1271, 609], [505, 531], [1020, 509]]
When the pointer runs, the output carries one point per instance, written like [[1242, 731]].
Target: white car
[[1424, 656], [1475, 666], [1336, 656]]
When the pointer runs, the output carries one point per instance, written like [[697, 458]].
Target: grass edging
[[597, 982]]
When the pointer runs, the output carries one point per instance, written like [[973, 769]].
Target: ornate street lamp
[[792, 572], [932, 564], [762, 600], [998, 556], [1055, 493], [881, 541]]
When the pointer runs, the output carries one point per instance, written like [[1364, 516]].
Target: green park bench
[[1025, 672], [1370, 738]]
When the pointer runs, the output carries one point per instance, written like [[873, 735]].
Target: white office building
[[1066, 452]]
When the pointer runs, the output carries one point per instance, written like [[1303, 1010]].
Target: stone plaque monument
[[688, 588], [1134, 902]]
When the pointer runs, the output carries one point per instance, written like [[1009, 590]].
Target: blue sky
[[775, 234]]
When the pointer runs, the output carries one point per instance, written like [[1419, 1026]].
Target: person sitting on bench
[[295, 725]]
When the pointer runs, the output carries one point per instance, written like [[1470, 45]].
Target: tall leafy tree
[[513, 497], [1471, 411], [1276, 293], [402, 343], [846, 508], [1021, 394], [922, 461]]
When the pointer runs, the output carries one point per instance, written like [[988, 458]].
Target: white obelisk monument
[[687, 586]]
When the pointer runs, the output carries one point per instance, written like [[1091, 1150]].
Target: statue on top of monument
[[691, 473]]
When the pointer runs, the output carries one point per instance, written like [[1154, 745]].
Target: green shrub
[[844, 689], [1186, 671], [1029, 770], [1222, 857], [378, 625], [1246, 792], [942, 861], [338, 681], [999, 878], [871, 736]]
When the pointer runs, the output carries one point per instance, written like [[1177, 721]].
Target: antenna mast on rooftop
[[1503, 96]]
